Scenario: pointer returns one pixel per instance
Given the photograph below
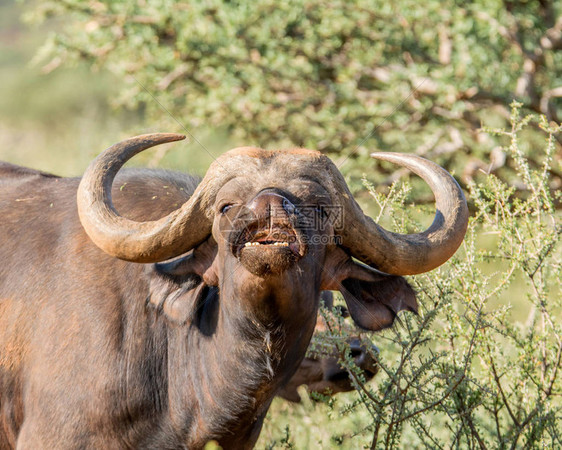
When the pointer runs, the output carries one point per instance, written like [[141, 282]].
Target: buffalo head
[[248, 227]]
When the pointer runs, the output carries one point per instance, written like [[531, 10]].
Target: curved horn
[[144, 242], [409, 254]]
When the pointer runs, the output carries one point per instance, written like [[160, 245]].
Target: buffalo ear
[[178, 299], [373, 305], [180, 286]]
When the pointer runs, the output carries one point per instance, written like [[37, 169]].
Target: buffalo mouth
[[279, 238], [268, 249]]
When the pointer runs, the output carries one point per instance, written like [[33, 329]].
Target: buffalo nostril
[[355, 347], [288, 206], [358, 353], [362, 357], [271, 205]]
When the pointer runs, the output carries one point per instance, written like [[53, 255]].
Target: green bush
[[480, 366], [344, 77]]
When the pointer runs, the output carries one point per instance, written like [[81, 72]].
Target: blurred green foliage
[[343, 77], [56, 121], [59, 120]]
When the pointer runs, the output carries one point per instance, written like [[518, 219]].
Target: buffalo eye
[[225, 208]]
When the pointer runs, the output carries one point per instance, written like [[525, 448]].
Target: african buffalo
[[99, 351]]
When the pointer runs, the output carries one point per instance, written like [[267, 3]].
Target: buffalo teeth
[[275, 244]]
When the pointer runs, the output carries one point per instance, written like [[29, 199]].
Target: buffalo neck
[[242, 345]]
